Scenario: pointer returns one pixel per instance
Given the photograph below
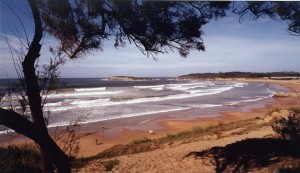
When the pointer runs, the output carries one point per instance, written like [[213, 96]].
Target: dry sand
[[89, 147], [172, 159]]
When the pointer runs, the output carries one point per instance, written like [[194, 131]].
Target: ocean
[[88, 100]]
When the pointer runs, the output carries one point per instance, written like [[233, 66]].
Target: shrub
[[19, 159], [111, 164], [288, 128]]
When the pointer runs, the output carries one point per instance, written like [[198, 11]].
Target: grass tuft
[[274, 110], [109, 165]]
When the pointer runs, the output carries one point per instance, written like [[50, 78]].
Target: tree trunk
[[23, 126], [36, 130], [31, 80]]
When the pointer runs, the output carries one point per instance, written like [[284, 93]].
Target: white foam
[[90, 89], [118, 117], [7, 131], [13, 96], [158, 88], [88, 102], [107, 102], [231, 103], [219, 90], [183, 88], [239, 85], [53, 104], [153, 87], [253, 100], [63, 108], [195, 91], [246, 101], [202, 106], [272, 93], [144, 122], [186, 84], [79, 94]]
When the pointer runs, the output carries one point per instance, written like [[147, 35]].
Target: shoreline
[[169, 125], [96, 141]]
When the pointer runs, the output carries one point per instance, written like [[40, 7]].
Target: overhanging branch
[[25, 127]]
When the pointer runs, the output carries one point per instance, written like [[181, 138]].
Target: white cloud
[[229, 46], [223, 53]]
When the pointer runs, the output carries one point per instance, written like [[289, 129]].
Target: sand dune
[[172, 158]]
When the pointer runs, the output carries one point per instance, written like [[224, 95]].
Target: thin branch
[[23, 26], [12, 54]]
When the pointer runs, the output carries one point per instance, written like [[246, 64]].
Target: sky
[[253, 46]]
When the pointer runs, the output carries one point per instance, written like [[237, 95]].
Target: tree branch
[[31, 80], [23, 126]]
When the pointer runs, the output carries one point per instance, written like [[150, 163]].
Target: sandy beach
[[93, 141], [172, 159], [167, 126]]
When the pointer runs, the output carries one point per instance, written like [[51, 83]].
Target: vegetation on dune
[[237, 74], [107, 159], [278, 154], [288, 128], [253, 155], [21, 158], [129, 78], [172, 140], [84, 26]]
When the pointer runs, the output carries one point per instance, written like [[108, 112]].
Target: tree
[[37, 129], [288, 128], [154, 27], [285, 11], [83, 26]]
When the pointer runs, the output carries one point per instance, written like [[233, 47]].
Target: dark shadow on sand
[[245, 155]]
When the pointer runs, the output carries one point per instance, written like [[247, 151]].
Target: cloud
[[13, 41], [223, 53], [226, 46], [230, 46]]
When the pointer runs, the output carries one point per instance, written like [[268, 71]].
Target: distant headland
[[129, 78], [270, 75]]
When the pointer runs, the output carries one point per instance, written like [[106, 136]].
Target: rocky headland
[[128, 78]]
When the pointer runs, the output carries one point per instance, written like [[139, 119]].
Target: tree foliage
[[285, 11], [82, 26], [153, 26]]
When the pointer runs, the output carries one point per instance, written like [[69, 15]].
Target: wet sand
[[162, 126], [105, 135]]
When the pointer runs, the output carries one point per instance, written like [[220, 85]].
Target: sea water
[[99, 99]]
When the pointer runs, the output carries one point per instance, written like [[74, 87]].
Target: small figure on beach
[[151, 132], [104, 127], [98, 143], [125, 128]]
